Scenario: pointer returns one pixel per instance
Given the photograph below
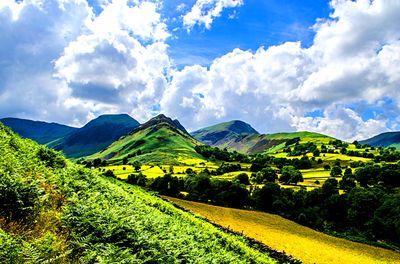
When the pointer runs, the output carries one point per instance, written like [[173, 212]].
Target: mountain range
[[388, 139], [162, 139]]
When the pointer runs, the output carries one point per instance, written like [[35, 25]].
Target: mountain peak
[[160, 119], [115, 119]]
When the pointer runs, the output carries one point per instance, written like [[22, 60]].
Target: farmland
[[301, 242]]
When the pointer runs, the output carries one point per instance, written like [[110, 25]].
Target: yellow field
[[301, 242]]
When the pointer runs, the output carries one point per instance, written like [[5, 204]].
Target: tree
[[266, 196], [316, 153], [242, 178], [125, 161], [336, 171], [367, 175], [267, 174], [137, 166], [290, 175], [137, 179]]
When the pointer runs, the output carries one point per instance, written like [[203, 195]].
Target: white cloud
[[354, 58], [203, 12], [63, 63]]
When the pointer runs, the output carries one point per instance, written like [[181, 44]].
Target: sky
[[281, 65]]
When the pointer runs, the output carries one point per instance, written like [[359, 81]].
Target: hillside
[[160, 140], [388, 139], [53, 211], [41, 132], [95, 135], [290, 237], [269, 143], [221, 133]]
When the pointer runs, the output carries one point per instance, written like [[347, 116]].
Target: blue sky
[[250, 26], [326, 66]]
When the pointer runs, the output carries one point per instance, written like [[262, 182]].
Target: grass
[[301, 242], [80, 216], [158, 144]]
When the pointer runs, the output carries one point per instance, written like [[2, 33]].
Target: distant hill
[[225, 132], [240, 136], [41, 132], [388, 139], [161, 139], [95, 135]]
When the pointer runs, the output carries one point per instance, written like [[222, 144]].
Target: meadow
[[301, 242]]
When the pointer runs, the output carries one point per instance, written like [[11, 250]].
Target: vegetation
[[54, 211], [301, 242]]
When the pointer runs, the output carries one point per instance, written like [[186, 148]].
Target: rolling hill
[[224, 132], [41, 132], [160, 140], [388, 139], [95, 135], [240, 136]]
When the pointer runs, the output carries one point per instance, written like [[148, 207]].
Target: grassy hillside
[[303, 243], [55, 211], [157, 141], [271, 143], [389, 139], [41, 132], [224, 132], [95, 135]]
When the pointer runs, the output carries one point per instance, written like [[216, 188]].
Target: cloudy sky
[[280, 65]]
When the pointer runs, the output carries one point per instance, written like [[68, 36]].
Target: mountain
[[161, 139], [224, 132], [388, 139], [95, 135], [240, 136], [41, 132]]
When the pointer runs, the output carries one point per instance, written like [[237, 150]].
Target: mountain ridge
[[39, 131], [386, 139]]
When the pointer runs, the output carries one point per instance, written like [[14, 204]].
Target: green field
[[301, 242]]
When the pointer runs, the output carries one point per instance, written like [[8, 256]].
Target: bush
[[18, 199], [51, 158]]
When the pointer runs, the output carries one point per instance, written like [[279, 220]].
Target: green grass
[[79, 216], [158, 144]]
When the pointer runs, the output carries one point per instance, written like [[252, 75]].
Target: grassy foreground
[[53, 211], [301, 242]]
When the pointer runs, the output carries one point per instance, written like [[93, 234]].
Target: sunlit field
[[301, 242]]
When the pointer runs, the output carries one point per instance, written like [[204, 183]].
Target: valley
[[290, 191]]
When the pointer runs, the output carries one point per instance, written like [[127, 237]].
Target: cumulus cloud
[[354, 58], [64, 63], [204, 12]]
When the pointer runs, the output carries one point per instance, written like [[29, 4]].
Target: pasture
[[299, 241]]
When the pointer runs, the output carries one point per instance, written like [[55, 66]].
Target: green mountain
[[250, 143], [95, 135], [54, 211], [41, 132], [388, 139], [160, 140], [224, 132]]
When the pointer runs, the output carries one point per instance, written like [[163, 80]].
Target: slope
[[41, 132], [387, 139], [95, 135], [257, 143], [53, 211], [303, 243], [160, 140], [221, 133]]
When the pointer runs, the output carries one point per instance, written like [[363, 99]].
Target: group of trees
[[214, 153]]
